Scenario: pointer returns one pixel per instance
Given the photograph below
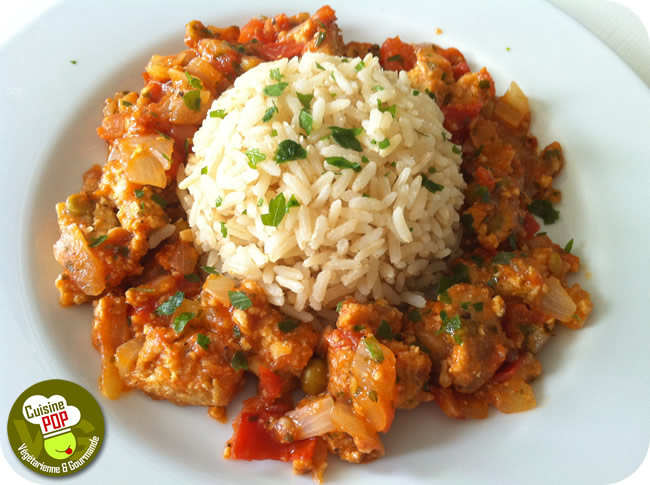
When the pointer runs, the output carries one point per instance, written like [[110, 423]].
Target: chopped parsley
[[193, 81], [254, 157], [236, 332], [289, 150], [239, 300], [478, 306], [358, 328], [342, 162], [392, 109], [96, 241], [218, 202], [204, 171], [320, 38], [483, 193], [305, 99], [239, 361], [384, 331], [181, 320], [211, 270], [512, 240], [171, 304], [430, 185], [274, 132], [416, 92], [318, 66], [377, 87], [192, 100], [287, 326], [385, 143], [260, 202], [414, 315], [467, 220], [450, 326], [568, 246], [192, 278], [224, 229], [275, 89], [360, 65], [126, 103], [305, 118], [293, 202], [269, 113], [73, 61], [503, 258], [218, 113], [339, 305], [374, 349], [484, 84], [275, 74], [158, 199], [203, 340], [364, 159], [459, 274], [347, 137], [456, 149], [277, 210], [544, 209], [395, 58]]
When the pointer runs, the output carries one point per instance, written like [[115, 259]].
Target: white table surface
[[622, 25]]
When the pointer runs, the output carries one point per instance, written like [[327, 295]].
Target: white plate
[[591, 424]]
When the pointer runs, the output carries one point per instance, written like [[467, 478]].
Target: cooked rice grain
[[372, 233]]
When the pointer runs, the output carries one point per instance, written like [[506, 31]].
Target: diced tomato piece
[[338, 339], [457, 60], [531, 226], [396, 55], [461, 113], [484, 177], [325, 14], [271, 384], [459, 70], [273, 51], [458, 117], [254, 29], [251, 441]]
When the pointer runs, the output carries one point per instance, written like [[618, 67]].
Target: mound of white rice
[[372, 220]]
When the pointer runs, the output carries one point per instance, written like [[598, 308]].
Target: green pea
[[78, 204], [314, 377]]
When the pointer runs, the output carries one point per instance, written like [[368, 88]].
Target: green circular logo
[[56, 428]]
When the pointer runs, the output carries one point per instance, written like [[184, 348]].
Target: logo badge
[[55, 428]]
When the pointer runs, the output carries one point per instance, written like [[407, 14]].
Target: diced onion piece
[[184, 258], [85, 269], [126, 355], [557, 303], [313, 418], [372, 386], [512, 396], [157, 145], [218, 287], [146, 170], [202, 69], [110, 383], [512, 108], [345, 420], [158, 236], [180, 114]]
